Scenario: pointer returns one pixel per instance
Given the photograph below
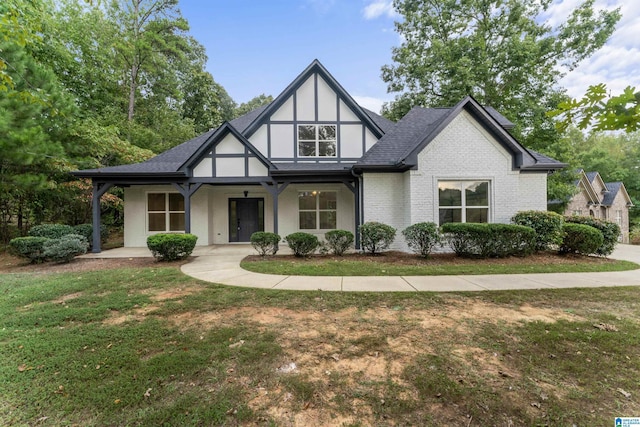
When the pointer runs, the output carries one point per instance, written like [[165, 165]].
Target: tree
[[499, 51], [600, 111], [253, 103]]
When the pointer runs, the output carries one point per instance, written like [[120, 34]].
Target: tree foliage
[[253, 103], [502, 52], [601, 111]]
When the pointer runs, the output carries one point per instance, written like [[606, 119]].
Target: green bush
[[339, 241], [580, 238], [422, 237], [610, 232], [171, 247], [86, 230], [30, 247], [376, 236], [265, 242], [302, 244], [51, 231], [65, 248], [547, 225], [471, 240], [634, 236]]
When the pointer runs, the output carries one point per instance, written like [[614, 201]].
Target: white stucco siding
[[260, 140], [135, 214], [384, 201], [327, 98], [464, 150]]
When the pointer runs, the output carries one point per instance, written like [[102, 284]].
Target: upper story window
[[463, 201], [165, 212], [317, 141]]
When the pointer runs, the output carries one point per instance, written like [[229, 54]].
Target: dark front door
[[246, 216]]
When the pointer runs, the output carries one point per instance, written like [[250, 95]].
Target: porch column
[[99, 188], [187, 190], [355, 189], [275, 191]]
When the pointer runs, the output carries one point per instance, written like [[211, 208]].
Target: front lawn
[[402, 264], [149, 346]]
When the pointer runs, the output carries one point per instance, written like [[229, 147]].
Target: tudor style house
[[604, 200], [314, 160]]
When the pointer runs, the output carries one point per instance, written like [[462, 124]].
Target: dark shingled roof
[[312, 167], [612, 192], [403, 136], [502, 120], [382, 122]]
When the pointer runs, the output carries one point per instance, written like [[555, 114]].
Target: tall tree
[[499, 51], [253, 103]]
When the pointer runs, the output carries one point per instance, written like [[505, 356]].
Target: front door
[[246, 216]]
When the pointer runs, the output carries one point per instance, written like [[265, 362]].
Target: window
[[577, 212], [463, 201], [317, 141], [165, 212], [317, 210], [619, 217]]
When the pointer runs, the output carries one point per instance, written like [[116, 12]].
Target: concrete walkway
[[221, 264]]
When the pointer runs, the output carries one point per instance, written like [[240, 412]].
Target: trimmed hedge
[[65, 248], [610, 232], [51, 231], [376, 236], [171, 247], [30, 247], [582, 239], [302, 244], [86, 230], [422, 237], [339, 241], [265, 242], [547, 225], [472, 240]]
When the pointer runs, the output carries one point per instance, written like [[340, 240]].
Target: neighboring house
[[314, 160], [604, 200]]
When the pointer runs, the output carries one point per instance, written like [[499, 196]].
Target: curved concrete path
[[221, 264]]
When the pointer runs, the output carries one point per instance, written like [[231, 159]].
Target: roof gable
[[219, 144], [613, 190], [284, 102]]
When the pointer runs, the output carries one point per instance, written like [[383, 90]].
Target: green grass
[[363, 358], [348, 267]]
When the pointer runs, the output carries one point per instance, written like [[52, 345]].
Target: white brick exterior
[[464, 150]]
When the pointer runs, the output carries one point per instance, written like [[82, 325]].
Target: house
[[604, 200], [314, 160]]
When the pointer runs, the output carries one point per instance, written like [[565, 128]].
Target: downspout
[[358, 198]]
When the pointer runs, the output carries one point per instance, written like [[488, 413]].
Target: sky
[[259, 46]]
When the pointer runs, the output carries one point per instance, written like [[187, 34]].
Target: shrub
[[634, 236], [581, 238], [547, 225], [610, 232], [51, 231], [376, 236], [339, 241], [30, 247], [65, 248], [171, 247], [422, 237], [86, 230], [265, 242], [471, 240], [302, 244]]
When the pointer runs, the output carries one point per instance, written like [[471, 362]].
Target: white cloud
[[321, 6], [618, 62], [370, 102], [378, 8]]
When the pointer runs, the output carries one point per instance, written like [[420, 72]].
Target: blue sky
[[260, 46]]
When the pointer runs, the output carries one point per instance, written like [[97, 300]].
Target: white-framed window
[[463, 201], [317, 210], [619, 217], [317, 141], [577, 212], [165, 212]]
